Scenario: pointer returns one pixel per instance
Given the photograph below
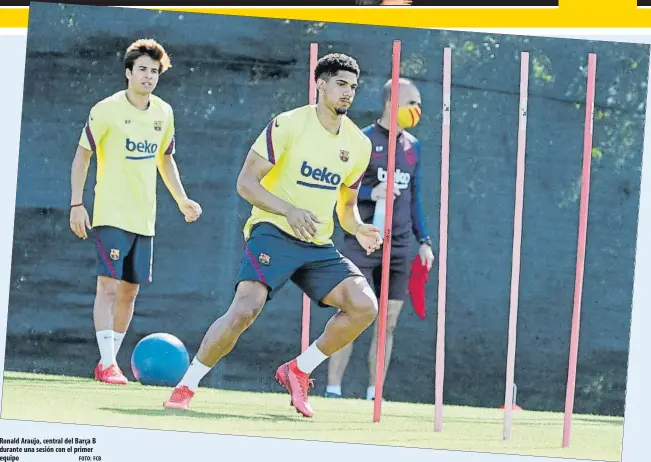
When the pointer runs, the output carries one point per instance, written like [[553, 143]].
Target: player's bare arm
[[170, 174], [255, 167], [348, 213], [79, 219]]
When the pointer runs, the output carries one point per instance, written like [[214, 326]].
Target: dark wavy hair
[[332, 63]]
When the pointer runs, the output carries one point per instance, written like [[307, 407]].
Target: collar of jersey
[[126, 101], [334, 135], [384, 130]]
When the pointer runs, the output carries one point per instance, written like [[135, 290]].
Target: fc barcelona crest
[[344, 155], [264, 258], [158, 125], [115, 254]]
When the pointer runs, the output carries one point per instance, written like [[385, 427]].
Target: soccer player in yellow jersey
[[307, 163], [132, 134]]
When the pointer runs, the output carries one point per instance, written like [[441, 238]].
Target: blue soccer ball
[[159, 359]]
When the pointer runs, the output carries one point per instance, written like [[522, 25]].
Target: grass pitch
[[84, 401]]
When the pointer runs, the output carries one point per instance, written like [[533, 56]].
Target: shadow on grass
[[618, 421], [202, 415], [61, 379]]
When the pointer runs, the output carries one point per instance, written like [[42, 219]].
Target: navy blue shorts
[[274, 257], [371, 265], [123, 255]]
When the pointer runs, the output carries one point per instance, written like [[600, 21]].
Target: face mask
[[408, 116]]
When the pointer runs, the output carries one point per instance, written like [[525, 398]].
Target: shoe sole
[[112, 383], [175, 406], [125, 382]]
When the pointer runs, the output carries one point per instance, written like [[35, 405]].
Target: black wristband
[[76, 205], [425, 240]]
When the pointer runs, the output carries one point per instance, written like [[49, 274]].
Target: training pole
[[386, 245], [443, 238], [517, 241], [305, 332], [580, 257]]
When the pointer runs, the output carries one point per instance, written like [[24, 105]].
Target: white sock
[[194, 374], [106, 351], [310, 359], [336, 389], [117, 341], [370, 392]]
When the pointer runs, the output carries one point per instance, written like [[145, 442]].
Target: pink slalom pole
[[443, 238], [314, 52], [305, 329], [517, 240], [386, 245], [580, 257]]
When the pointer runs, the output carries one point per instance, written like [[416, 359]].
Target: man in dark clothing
[[407, 221]]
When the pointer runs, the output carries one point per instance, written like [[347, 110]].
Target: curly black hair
[[332, 63]]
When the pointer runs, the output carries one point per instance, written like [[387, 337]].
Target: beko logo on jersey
[[401, 179], [141, 146], [327, 179]]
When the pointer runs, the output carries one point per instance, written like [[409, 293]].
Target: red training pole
[[386, 249], [443, 238], [580, 257], [305, 329], [517, 239]]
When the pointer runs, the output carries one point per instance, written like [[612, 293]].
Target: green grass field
[[50, 398]]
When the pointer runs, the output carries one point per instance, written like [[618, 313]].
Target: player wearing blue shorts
[[307, 163], [132, 134]]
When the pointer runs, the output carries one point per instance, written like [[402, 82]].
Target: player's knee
[[364, 306], [392, 322], [369, 309], [244, 311], [250, 297], [107, 287], [128, 292], [393, 313]]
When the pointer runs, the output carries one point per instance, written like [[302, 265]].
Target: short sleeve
[[274, 139], [354, 178], [169, 139], [94, 130]]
